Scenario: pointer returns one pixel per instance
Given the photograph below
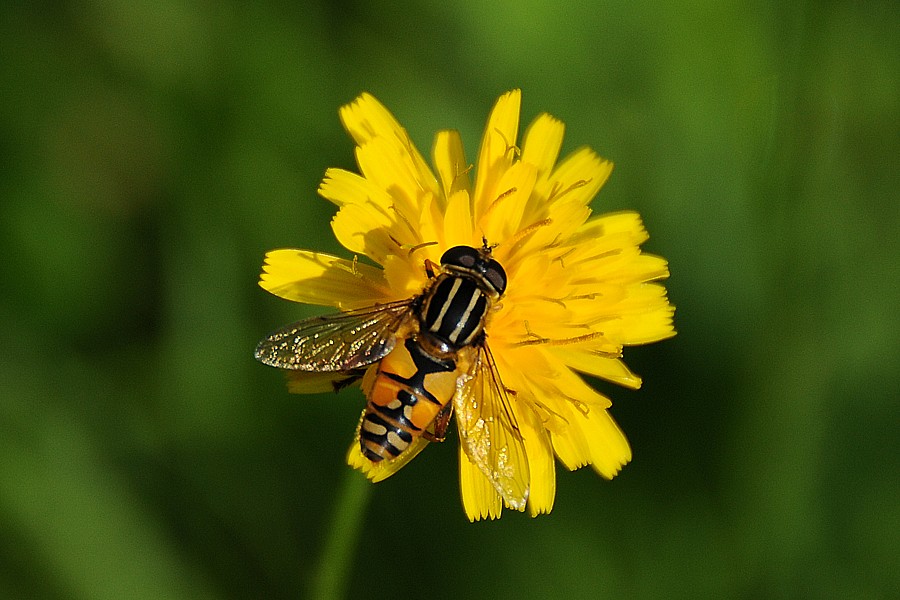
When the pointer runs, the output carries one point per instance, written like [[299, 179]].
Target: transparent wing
[[338, 342], [488, 431]]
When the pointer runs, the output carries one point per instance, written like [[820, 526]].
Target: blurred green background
[[153, 151]]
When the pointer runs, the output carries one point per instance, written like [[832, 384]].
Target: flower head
[[578, 287]]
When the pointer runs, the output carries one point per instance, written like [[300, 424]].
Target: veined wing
[[488, 430], [337, 342]]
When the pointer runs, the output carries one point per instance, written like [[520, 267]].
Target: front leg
[[430, 268]]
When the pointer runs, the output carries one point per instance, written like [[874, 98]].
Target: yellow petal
[[405, 277], [479, 498], [541, 465], [366, 120], [450, 162], [552, 393], [343, 187], [569, 213], [591, 363], [543, 139], [570, 387], [373, 221], [648, 267], [642, 317], [382, 470], [593, 438], [498, 149], [570, 445], [652, 327], [428, 227], [391, 168], [307, 382], [563, 217], [608, 249], [624, 222], [364, 223], [626, 266], [458, 226], [316, 278], [502, 217], [580, 175], [608, 446], [357, 228]]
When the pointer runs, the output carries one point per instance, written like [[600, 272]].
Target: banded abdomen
[[411, 387]]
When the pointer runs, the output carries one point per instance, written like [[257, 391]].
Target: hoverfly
[[432, 360]]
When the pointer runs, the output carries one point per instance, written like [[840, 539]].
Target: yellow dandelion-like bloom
[[578, 288]]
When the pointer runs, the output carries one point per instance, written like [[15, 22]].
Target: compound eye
[[461, 256], [495, 274]]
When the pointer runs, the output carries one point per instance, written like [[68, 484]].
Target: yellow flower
[[579, 288]]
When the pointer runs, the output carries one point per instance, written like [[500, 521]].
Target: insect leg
[[430, 268], [351, 378], [441, 422]]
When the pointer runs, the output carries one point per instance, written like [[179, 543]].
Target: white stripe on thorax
[[476, 294], [446, 306]]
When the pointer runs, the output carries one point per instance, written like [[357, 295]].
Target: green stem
[[329, 580]]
